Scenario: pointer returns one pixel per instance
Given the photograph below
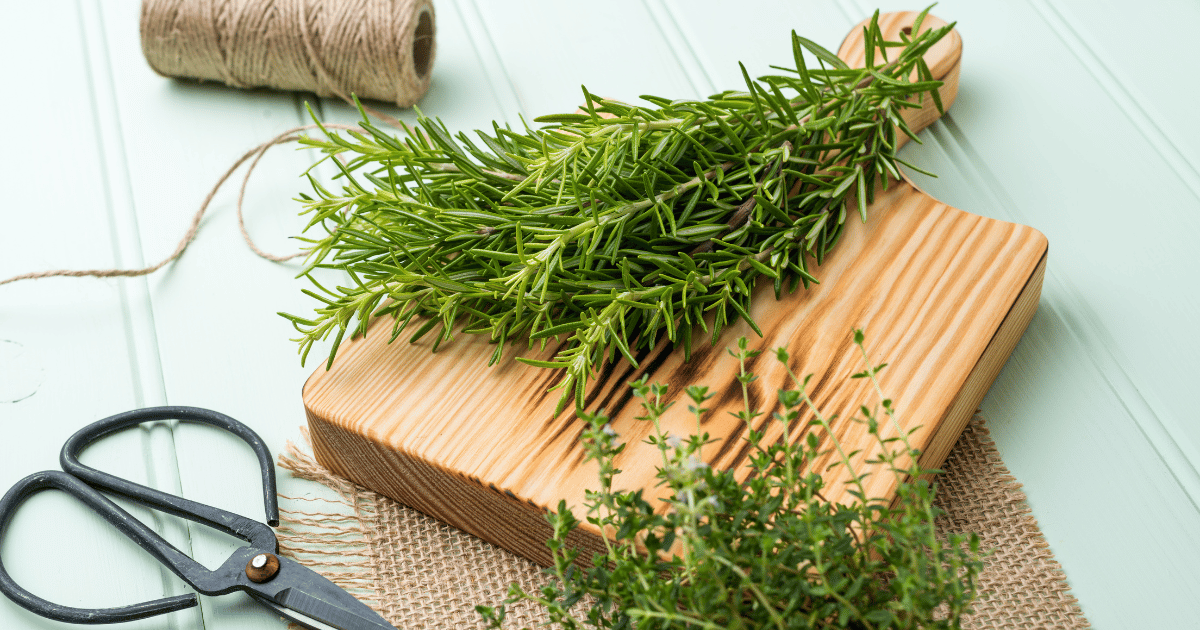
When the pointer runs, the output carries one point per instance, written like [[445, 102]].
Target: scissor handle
[[83, 482], [131, 527], [256, 533]]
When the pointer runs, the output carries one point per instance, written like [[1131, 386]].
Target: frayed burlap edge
[[421, 573], [1022, 585], [414, 570]]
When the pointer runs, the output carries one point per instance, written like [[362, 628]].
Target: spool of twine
[[376, 49]]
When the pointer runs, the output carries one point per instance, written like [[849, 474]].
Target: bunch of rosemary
[[766, 552], [612, 227]]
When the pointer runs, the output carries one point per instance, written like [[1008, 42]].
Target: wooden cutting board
[[943, 296]]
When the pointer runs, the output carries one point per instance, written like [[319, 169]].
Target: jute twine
[[377, 49], [420, 573]]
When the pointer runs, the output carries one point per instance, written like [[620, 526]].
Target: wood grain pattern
[[942, 294]]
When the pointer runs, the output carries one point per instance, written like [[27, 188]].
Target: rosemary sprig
[[609, 228]]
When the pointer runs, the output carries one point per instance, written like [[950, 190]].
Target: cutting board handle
[[944, 60]]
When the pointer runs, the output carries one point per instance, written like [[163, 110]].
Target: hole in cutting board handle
[[943, 58]]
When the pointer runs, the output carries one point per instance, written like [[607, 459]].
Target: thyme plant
[[766, 552], [607, 229]]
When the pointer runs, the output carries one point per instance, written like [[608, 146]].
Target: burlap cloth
[[420, 573]]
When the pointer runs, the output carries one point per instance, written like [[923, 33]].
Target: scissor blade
[[339, 616], [293, 616], [303, 595]]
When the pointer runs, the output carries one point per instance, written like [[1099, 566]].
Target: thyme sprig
[[606, 229], [761, 547]]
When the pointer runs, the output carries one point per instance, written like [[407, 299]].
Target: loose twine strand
[[291, 135], [379, 49]]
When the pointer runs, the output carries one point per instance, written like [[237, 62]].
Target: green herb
[[766, 552], [607, 229]]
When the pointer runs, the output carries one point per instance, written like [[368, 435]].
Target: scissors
[[285, 586]]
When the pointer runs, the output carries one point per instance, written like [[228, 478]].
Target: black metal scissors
[[285, 586]]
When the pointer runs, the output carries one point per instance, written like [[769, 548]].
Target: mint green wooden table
[[1077, 118]]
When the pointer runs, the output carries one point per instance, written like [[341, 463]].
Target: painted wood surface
[[944, 294], [1072, 117]]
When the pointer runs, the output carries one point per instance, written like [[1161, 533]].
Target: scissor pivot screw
[[262, 568]]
